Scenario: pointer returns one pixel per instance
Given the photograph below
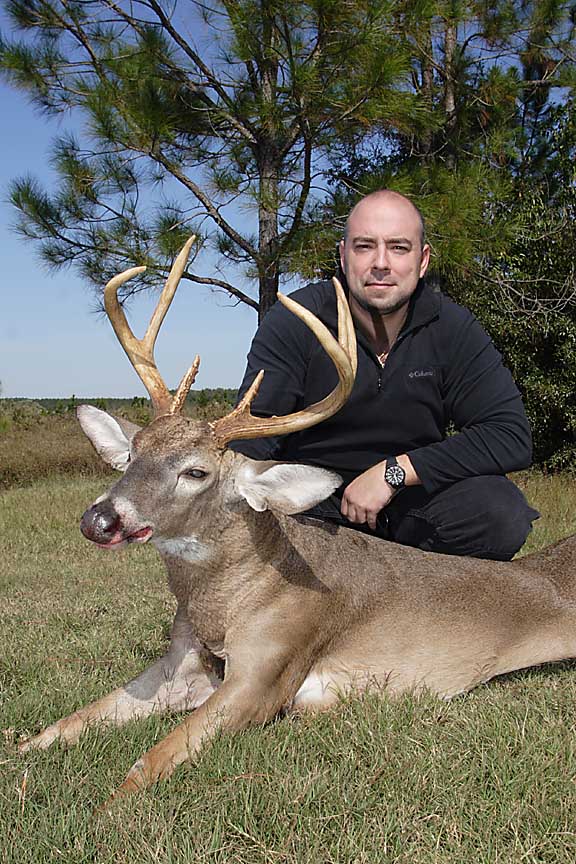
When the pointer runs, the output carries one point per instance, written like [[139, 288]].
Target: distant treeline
[[196, 398]]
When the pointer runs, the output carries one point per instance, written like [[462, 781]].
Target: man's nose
[[381, 260]]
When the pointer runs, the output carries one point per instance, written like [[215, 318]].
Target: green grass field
[[488, 777]]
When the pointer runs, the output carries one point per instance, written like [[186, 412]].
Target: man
[[424, 364]]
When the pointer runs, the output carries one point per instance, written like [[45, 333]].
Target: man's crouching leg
[[482, 517]]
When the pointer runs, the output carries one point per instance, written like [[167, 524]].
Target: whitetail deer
[[276, 612]]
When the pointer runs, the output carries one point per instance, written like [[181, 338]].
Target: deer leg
[[237, 703], [176, 682]]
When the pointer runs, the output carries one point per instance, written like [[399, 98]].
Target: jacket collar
[[423, 307]]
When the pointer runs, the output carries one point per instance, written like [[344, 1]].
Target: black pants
[[483, 517]]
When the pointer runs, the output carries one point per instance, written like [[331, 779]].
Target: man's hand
[[366, 496], [369, 493]]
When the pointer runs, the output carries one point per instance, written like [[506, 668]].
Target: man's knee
[[483, 517], [506, 518]]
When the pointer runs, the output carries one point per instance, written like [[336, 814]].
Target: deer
[[276, 612]]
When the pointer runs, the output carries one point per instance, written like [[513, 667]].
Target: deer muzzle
[[103, 525]]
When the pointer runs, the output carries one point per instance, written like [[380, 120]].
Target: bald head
[[388, 198]]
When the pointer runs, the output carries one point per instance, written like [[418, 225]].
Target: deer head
[[177, 471]]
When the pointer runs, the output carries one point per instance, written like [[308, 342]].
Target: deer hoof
[[136, 781], [39, 742]]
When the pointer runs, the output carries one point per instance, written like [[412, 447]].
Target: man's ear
[[283, 486], [110, 437]]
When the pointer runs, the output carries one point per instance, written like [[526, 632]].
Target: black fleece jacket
[[443, 368]]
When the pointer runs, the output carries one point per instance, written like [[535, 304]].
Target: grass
[[36, 445], [554, 496], [47, 447], [488, 777]]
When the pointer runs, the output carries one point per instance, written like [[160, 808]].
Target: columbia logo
[[421, 373]]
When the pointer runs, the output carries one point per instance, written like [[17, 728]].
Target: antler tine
[[167, 294], [184, 387], [346, 332], [241, 424], [140, 352]]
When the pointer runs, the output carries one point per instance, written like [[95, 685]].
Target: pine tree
[[214, 118], [488, 75]]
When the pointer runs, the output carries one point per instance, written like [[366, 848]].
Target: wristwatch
[[394, 474]]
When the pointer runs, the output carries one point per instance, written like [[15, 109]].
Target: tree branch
[[198, 62], [219, 283], [304, 192], [212, 211], [244, 131]]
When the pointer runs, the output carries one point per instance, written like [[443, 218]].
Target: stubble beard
[[383, 306]]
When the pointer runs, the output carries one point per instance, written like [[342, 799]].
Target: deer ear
[[110, 439], [283, 486]]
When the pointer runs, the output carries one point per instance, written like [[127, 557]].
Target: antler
[[141, 351], [240, 423]]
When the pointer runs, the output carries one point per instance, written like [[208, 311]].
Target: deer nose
[[100, 523]]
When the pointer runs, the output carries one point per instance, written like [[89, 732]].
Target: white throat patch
[[188, 548]]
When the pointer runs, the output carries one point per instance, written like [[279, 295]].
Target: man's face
[[382, 255]]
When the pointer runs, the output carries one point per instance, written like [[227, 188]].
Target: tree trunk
[[268, 168], [450, 91], [268, 275], [427, 139]]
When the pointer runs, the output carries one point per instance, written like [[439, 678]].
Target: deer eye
[[196, 473]]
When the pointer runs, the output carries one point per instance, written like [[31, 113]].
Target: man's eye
[[196, 473]]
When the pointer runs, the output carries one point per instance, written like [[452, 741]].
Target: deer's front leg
[[176, 682], [240, 700]]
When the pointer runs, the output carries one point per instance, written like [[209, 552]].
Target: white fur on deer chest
[[189, 548]]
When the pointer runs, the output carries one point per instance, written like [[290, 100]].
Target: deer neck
[[212, 573]]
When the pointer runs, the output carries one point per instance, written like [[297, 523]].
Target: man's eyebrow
[[366, 239], [404, 240]]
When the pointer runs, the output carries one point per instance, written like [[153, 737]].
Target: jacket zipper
[[382, 368]]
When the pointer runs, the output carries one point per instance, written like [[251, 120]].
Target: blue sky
[[51, 343]]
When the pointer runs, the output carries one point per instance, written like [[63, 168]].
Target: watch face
[[395, 475]]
